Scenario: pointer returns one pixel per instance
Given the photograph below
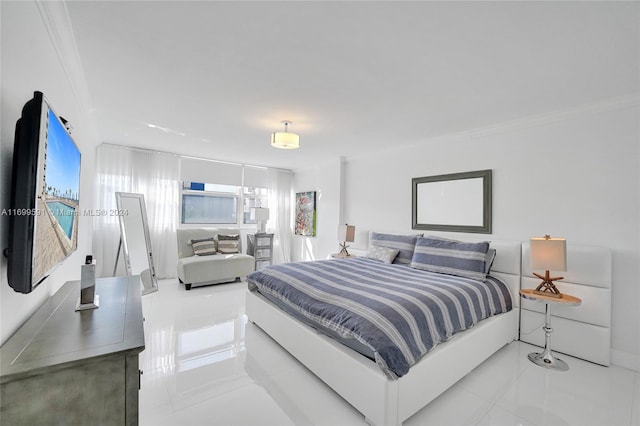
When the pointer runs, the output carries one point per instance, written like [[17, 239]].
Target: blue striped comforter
[[399, 312]]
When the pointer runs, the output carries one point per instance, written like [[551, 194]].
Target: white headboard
[[507, 264], [582, 331]]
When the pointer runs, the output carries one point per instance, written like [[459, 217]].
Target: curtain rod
[[193, 157]]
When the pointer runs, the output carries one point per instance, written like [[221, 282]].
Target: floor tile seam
[[512, 382], [229, 383], [193, 402], [293, 366], [493, 399], [596, 400], [513, 413], [477, 419], [567, 389], [507, 406]]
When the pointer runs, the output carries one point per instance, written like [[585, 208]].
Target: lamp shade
[[285, 140], [261, 213], [346, 233], [549, 254]]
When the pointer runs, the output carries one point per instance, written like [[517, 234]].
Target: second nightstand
[[260, 246], [545, 358]]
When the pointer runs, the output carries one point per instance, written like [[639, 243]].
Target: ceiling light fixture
[[285, 140]]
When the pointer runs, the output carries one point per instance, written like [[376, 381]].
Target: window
[[253, 197], [209, 203], [205, 203], [215, 192]]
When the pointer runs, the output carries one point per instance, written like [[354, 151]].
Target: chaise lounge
[[198, 270]]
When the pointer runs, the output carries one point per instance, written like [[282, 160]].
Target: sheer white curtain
[[280, 213], [157, 176]]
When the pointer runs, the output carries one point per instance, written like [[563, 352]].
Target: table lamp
[[548, 254], [346, 234]]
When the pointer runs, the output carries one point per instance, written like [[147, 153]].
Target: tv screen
[[43, 227]]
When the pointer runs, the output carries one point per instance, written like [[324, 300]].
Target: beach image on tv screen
[[56, 233]]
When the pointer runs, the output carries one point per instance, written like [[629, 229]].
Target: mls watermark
[[64, 212]]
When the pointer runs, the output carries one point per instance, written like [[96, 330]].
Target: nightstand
[[545, 358], [260, 246], [341, 256]]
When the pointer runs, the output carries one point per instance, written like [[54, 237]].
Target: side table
[[260, 246], [341, 256], [545, 358]]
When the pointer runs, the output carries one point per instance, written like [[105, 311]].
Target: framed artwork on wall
[[306, 213]]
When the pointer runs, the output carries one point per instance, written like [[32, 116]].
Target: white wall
[[32, 61], [573, 175], [325, 179]]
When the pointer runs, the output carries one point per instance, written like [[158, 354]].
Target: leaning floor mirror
[[135, 241]]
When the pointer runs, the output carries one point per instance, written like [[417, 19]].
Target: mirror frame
[[485, 228], [149, 281]]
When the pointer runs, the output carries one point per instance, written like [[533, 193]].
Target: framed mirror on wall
[[135, 241], [456, 202]]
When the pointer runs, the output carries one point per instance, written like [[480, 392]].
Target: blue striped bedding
[[399, 312]]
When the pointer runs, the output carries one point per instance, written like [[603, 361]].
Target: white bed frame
[[363, 384]]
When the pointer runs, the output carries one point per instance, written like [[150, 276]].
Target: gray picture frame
[[455, 202]]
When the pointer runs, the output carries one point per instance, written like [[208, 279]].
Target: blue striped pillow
[[490, 257], [451, 257], [403, 243]]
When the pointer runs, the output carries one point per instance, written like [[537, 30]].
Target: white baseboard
[[625, 360]]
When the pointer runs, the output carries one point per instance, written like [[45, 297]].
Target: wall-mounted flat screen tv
[[43, 223]]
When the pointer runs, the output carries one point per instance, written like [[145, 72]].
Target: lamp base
[[343, 249], [547, 287], [85, 306], [547, 360], [262, 227], [548, 293]]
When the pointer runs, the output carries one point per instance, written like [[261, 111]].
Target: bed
[[385, 392]]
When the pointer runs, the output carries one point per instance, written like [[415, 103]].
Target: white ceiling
[[216, 78]]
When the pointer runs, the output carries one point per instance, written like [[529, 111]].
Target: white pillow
[[382, 254]]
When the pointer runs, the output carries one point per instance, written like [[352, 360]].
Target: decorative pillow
[[451, 257], [203, 246], [403, 243], [491, 253], [228, 244], [491, 256], [382, 254]]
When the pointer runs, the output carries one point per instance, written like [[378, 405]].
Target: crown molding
[[603, 106], [606, 105], [55, 17]]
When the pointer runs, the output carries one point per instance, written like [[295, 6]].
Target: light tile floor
[[205, 364]]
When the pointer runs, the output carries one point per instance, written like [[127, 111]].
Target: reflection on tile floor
[[205, 364]]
